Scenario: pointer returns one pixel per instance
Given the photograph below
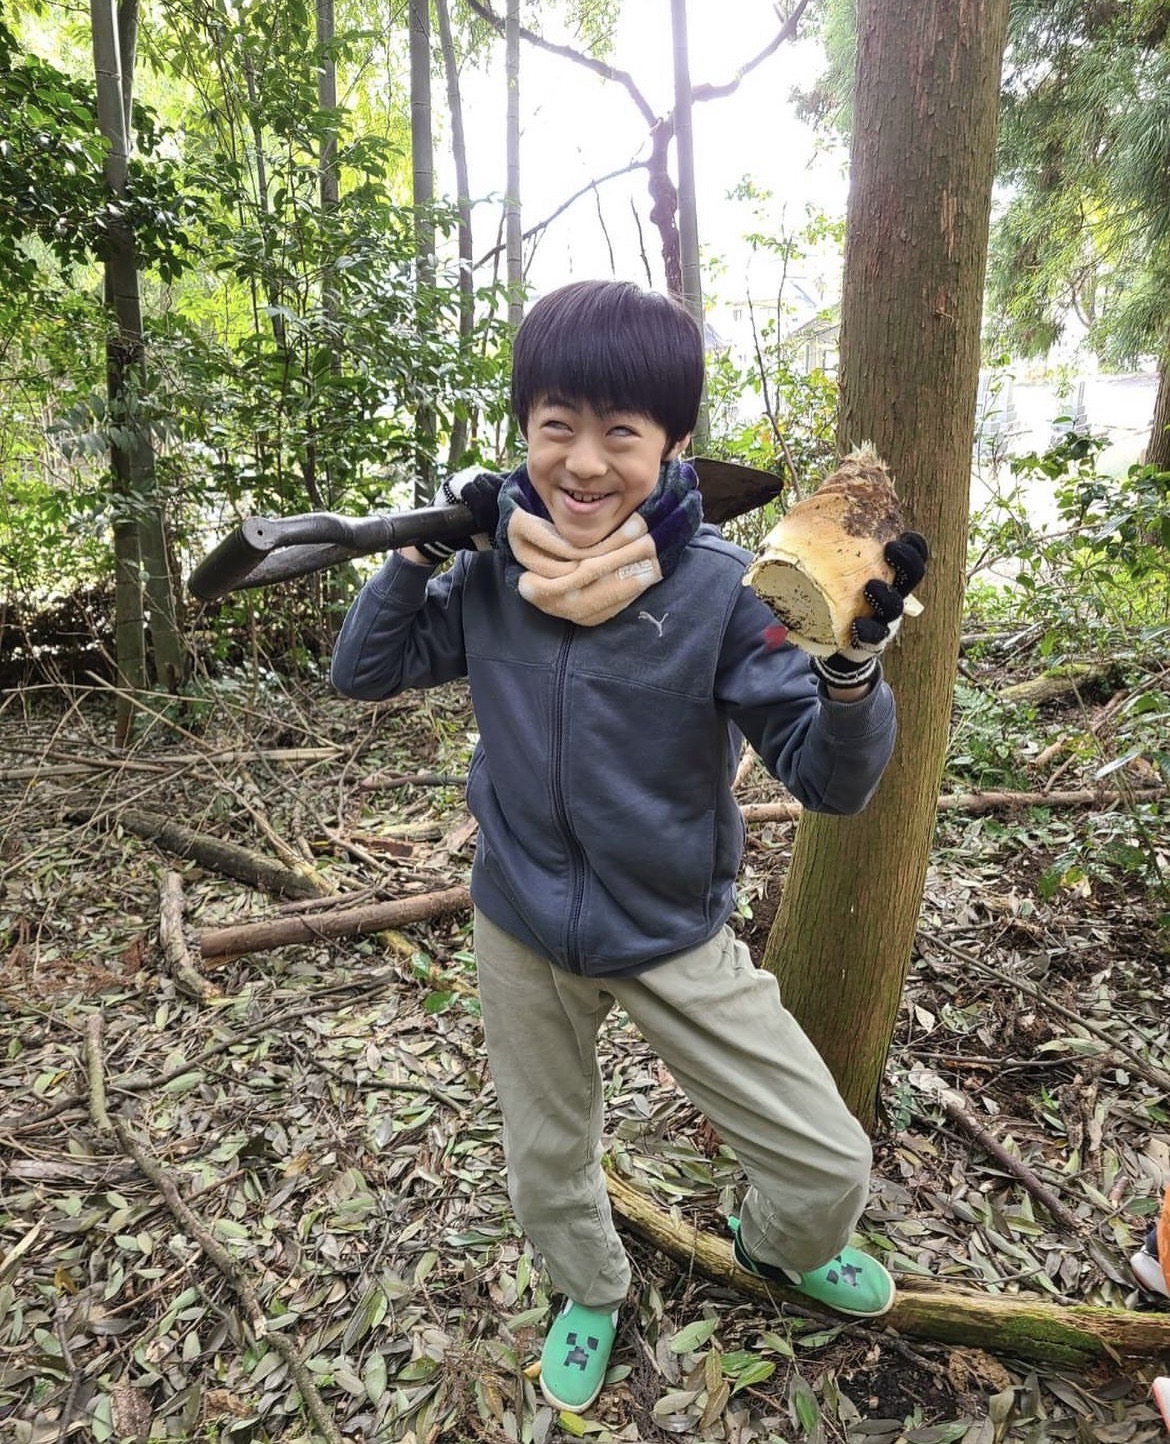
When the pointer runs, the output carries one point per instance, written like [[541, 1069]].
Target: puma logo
[[650, 617]]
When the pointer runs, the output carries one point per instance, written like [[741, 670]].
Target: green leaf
[[805, 1409], [102, 1419], [753, 1373], [693, 1336], [374, 1377]]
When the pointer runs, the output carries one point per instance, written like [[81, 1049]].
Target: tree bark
[[1158, 449], [422, 153], [328, 181], [1026, 1328], [926, 103], [326, 478]]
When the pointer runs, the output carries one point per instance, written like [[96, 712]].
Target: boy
[[615, 659]]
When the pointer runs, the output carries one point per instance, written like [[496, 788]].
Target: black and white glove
[[478, 491], [857, 665]]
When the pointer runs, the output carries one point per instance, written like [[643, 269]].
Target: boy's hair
[[614, 347]]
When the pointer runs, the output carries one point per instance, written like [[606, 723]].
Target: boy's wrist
[[849, 694], [415, 557]]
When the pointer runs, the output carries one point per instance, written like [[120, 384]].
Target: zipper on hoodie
[[576, 852]]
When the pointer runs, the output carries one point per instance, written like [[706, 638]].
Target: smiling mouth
[[585, 498]]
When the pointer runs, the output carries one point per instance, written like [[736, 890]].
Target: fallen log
[[219, 945], [978, 802], [1073, 677], [227, 858], [1029, 1328]]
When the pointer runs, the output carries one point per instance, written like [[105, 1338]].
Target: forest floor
[[325, 1116]]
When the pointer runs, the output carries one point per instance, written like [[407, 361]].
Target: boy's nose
[[585, 460]]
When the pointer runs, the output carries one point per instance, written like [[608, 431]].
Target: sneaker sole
[[854, 1313], [552, 1399]]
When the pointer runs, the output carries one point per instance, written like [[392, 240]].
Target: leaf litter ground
[[330, 1121]]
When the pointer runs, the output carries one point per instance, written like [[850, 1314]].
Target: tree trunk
[[459, 423], [329, 186], [664, 210], [1158, 450], [422, 154], [688, 215], [139, 543], [329, 484], [513, 238], [925, 115]]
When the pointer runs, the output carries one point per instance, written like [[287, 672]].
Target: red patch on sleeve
[[775, 636]]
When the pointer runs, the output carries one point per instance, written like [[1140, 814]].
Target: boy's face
[[593, 471]]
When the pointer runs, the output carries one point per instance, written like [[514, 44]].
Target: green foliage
[[1099, 585], [794, 429], [51, 183], [1083, 147], [288, 341], [990, 740], [1095, 589]]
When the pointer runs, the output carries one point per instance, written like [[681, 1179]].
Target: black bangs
[[614, 347]]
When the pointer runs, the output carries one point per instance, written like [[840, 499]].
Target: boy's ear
[[674, 452]]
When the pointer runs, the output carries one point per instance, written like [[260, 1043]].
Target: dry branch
[[977, 802], [378, 780], [952, 1104], [193, 1225], [170, 931], [227, 858], [219, 944], [1034, 1329]]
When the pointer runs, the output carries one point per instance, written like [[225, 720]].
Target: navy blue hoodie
[[609, 838]]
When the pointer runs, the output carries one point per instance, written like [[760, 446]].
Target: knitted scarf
[[588, 585]]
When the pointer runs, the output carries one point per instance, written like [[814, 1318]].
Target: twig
[[952, 1105], [977, 802], [378, 780], [193, 1225], [170, 931]]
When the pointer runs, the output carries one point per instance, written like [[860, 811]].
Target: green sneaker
[[851, 1283], [576, 1355]]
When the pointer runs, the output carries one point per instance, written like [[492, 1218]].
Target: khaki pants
[[741, 1058]]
